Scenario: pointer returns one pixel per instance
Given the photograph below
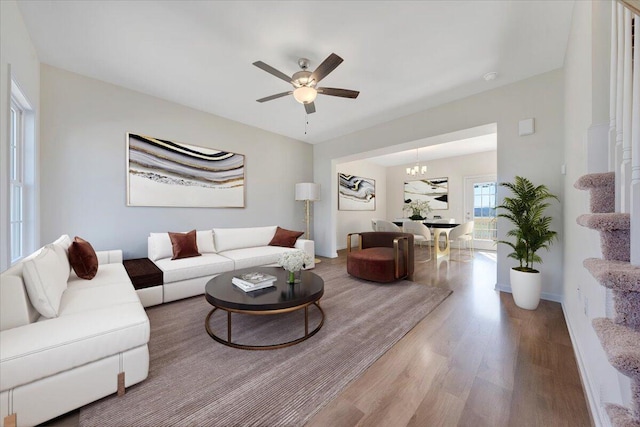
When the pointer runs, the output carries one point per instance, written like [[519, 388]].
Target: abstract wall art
[[173, 174], [434, 190], [356, 193]]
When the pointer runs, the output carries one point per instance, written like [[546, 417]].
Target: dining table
[[438, 229]]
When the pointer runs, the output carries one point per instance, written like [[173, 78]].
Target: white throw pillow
[[161, 248], [204, 240], [236, 238], [45, 278], [63, 242]]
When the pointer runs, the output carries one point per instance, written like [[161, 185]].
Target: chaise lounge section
[[95, 345]]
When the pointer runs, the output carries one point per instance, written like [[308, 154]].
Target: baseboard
[[502, 288], [543, 295], [599, 419], [551, 297]]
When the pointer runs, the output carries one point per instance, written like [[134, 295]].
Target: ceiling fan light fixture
[[305, 94]]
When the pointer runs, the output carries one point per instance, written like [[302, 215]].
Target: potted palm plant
[[531, 233]]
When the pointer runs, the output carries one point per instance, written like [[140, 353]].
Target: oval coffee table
[[223, 295]]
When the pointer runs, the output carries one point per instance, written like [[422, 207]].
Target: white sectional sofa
[[223, 250], [97, 344]]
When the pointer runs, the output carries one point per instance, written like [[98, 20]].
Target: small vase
[[292, 277]]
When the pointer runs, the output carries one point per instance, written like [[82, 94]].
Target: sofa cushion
[[78, 299], [236, 238], [107, 275], [285, 238], [184, 245], [65, 342], [83, 258], [160, 244], [189, 268], [45, 278], [253, 257]]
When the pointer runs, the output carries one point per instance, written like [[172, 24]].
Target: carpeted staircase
[[620, 336]]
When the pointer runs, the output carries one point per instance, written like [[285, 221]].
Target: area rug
[[195, 381]]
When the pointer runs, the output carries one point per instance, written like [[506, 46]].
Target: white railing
[[624, 135]]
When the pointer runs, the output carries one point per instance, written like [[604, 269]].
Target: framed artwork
[[356, 193], [173, 174], [434, 190]]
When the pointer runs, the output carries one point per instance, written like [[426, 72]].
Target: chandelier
[[417, 170]]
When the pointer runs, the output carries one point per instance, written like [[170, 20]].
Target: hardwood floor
[[476, 360]]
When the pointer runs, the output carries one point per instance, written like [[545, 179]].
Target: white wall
[[537, 157], [83, 127], [454, 168], [18, 59], [586, 110], [357, 221]]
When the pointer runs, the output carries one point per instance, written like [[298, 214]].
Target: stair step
[[601, 188], [627, 307], [622, 346], [621, 416], [618, 275], [614, 233]]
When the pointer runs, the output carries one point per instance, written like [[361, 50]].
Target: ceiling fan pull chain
[[306, 122]]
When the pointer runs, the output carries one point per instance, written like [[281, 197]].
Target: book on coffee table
[[255, 278], [255, 292], [248, 288], [253, 281]]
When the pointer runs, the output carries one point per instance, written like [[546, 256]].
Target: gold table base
[[441, 251], [228, 342]]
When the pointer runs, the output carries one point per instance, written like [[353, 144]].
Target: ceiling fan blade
[[276, 96], [310, 108], [327, 66], [269, 69], [344, 93]]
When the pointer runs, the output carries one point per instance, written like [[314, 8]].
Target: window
[[21, 178], [16, 180], [484, 211]]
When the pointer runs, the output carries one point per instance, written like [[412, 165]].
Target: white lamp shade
[[307, 191]]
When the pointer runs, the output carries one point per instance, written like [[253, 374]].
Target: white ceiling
[[459, 147], [403, 56]]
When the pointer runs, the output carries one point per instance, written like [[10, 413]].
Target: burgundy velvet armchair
[[382, 256]]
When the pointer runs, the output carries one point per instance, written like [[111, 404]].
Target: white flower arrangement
[[294, 260], [417, 207]]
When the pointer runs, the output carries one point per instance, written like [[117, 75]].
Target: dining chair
[[463, 235], [384, 225], [421, 235], [374, 221]]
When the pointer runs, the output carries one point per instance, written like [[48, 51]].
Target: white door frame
[[469, 181]]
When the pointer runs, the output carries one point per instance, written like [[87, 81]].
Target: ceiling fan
[[305, 82]]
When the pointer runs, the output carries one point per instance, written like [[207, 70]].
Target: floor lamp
[[307, 192]]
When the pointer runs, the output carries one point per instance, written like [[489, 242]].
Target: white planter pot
[[526, 289]]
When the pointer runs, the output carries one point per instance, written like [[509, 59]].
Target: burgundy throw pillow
[[83, 259], [285, 238], [184, 245]]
